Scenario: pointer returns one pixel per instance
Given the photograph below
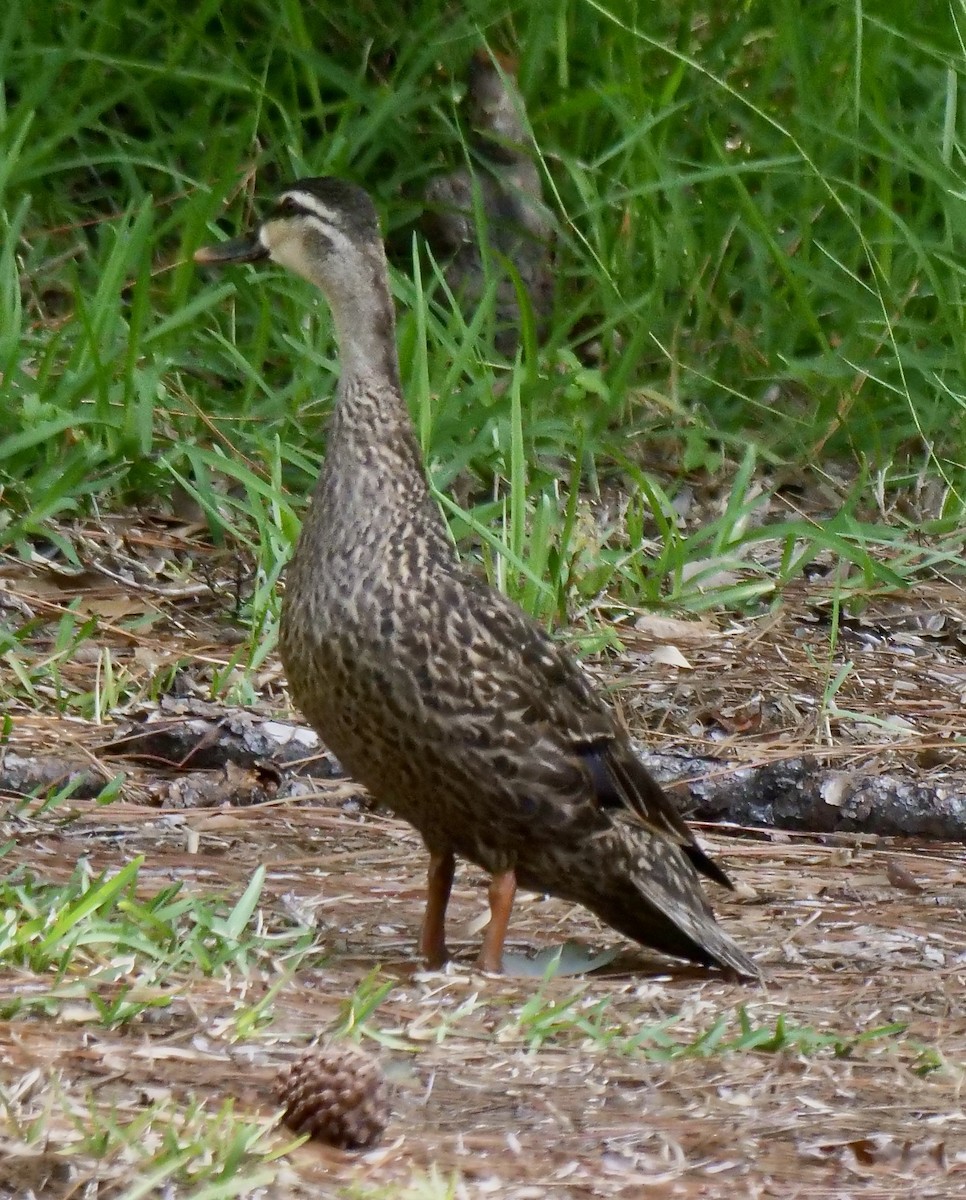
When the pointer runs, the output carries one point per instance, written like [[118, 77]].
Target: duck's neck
[[357, 289], [365, 328], [370, 408], [374, 473]]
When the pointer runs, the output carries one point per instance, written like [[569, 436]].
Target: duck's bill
[[238, 250]]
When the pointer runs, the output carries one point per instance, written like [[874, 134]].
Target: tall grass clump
[[759, 228]]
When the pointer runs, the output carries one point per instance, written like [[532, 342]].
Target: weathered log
[[801, 793], [806, 794]]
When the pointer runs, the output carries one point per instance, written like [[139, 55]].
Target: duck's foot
[[503, 889]]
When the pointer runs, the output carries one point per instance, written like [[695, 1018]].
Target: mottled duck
[[438, 694]]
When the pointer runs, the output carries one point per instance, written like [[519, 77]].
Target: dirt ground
[[522, 1087]]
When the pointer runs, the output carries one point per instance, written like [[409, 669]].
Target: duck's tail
[[648, 890]]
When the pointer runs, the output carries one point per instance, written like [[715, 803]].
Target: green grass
[[559, 1021], [106, 941], [760, 220], [550, 1020], [156, 1008], [207, 1153], [99, 942]]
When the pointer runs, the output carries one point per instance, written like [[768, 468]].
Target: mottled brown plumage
[[444, 699], [489, 214]]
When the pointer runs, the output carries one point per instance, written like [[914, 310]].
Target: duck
[[491, 212], [439, 695]]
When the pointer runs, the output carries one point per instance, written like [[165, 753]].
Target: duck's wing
[[537, 702]]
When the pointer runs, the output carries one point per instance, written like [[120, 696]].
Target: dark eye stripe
[[288, 206]]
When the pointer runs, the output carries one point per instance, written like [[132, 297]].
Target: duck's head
[[324, 229]]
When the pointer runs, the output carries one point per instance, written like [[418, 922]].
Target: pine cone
[[336, 1094]]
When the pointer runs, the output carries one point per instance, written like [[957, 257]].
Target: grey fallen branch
[[802, 794], [805, 794]]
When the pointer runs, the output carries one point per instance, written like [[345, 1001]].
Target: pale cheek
[[287, 253]]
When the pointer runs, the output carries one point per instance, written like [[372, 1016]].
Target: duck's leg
[[432, 936], [503, 888]]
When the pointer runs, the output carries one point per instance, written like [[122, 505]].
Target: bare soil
[[852, 933]]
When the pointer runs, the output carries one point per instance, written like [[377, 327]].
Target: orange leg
[[432, 937], [503, 888]]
